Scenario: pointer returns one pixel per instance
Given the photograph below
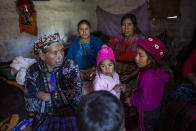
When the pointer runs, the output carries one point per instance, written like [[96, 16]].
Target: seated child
[[106, 77], [150, 83]]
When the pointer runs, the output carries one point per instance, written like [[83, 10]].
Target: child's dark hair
[[132, 17], [84, 22], [100, 111]]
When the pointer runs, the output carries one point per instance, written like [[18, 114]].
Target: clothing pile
[[19, 67]]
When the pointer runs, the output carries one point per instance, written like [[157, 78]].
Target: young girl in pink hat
[[106, 77], [150, 83]]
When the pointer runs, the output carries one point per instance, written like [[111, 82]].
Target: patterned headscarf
[[44, 42]]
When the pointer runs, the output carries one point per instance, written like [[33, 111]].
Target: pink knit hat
[[105, 53], [154, 46]]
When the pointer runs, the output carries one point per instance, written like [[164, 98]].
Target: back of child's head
[[105, 53], [100, 111], [154, 47]]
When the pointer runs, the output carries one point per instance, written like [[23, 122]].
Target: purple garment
[[107, 83], [109, 23], [62, 120], [149, 89]]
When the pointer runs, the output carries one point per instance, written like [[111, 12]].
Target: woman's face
[[107, 67], [141, 58], [84, 31], [127, 27], [54, 56]]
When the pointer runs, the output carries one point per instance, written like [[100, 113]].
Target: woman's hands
[[44, 96], [125, 78], [119, 87], [122, 88]]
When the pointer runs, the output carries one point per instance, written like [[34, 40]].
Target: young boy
[[100, 111]]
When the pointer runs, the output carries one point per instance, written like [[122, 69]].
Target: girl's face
[[127, 27], [84, 31], [141, 58], [107, 67]]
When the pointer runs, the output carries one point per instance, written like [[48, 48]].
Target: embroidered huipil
[[85, 51], [67, 76], [124, 50], [51, 81], [84, 56]]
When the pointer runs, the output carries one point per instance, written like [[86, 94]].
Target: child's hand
[[127, 101], [88, 74], [125, 78], [117, 88], [123, 87]]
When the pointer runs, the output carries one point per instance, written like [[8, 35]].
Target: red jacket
[[190, 64]]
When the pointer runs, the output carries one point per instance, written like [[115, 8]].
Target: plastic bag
[[20, 66]]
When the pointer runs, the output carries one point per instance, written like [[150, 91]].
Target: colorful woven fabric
[[51, 81], [59, 124], [124, 50], [67, 78], [44, 42], [63, 120]]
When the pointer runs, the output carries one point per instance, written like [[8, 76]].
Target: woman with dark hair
[[124, 46], [83, 50], [133, 20]]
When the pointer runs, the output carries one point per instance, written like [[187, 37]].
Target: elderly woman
[[51, 84], [83, 50]]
